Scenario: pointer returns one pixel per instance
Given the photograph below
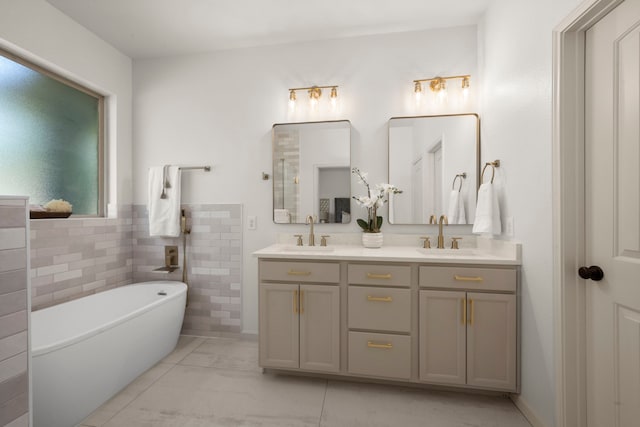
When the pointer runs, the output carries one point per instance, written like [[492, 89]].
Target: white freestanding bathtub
[[85, 351]]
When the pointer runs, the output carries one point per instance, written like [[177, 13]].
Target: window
[[51, 137]]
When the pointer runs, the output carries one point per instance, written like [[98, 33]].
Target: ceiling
[[152, 28]]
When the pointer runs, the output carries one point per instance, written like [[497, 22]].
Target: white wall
[[515, 40], [218, 109], [40, 33]]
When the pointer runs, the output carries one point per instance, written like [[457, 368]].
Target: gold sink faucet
[[312, 239], [443, 221]]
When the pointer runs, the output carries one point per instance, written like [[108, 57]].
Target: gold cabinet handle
[[468, 278], [471, 309], [298, 273], [295, 302], [301, 302], [387, 346], [379, 299], [378, 276], [464, 311]]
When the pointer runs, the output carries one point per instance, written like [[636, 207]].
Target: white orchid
[[372, 202]]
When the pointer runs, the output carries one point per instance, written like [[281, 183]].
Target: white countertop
[[487, 251]]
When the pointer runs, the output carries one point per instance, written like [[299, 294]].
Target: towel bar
[[206, 168]]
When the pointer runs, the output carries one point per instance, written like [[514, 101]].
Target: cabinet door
[[279, 327], [320, 328], [442, 332], [491, 340]]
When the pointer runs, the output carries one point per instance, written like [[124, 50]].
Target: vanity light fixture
[[315, 93], [438, 85]]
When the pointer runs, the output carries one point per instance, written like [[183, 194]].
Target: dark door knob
[[594, 273]]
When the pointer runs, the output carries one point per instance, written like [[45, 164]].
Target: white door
[[437, 181], [612, 214], [419, 216]]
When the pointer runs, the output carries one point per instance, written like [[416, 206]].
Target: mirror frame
[[478, 154], [273, 189]]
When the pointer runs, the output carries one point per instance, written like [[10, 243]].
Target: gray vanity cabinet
[[299, 321], [468, 334], [419, 322]]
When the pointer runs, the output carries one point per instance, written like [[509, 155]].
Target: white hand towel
[[164, 214], [487, 212], [456, 214]]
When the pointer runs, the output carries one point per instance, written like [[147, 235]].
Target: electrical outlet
[[508, 226], [252, 222]]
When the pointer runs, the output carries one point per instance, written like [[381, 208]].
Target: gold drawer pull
[[387, 346], [298, 273], [378, 276], [379, 299], [468, 278]]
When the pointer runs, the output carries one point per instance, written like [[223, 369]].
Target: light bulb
[[465, 89], [334, 98], [292, 100], [442, 92], [314, 94], [417, 90]]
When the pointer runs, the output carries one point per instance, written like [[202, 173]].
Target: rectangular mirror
[[435, 161], [312, 172]]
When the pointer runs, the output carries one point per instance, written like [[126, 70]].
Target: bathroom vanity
[[400, 313]]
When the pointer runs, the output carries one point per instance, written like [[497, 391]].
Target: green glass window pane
[[49, 139]]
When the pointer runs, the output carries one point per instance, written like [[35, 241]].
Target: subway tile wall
[[14, 374], [286, 168], [78, 257], [214, 265]]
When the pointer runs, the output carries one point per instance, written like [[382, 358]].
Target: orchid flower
[[372, 201]]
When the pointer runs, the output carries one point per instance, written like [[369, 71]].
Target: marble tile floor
[[211, 382]]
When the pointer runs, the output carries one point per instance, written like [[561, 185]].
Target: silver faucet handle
[[454, 242], [323, 240], [299, 241], [427, 243]]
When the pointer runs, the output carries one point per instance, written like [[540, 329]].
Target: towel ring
[[495, 164], [462, 176]]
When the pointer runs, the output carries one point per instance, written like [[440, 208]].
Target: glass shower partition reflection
[[311, 171]]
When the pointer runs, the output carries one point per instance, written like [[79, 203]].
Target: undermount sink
[[295, 248], [464, 252]]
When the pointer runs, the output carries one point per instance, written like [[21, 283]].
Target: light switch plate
[[252, 222]]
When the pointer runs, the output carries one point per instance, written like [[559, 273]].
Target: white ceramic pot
[[372, 240]]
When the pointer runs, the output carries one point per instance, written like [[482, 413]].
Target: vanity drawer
[[380, 355], [289, 271], [379, 275], [492, 279], [377, 308]]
